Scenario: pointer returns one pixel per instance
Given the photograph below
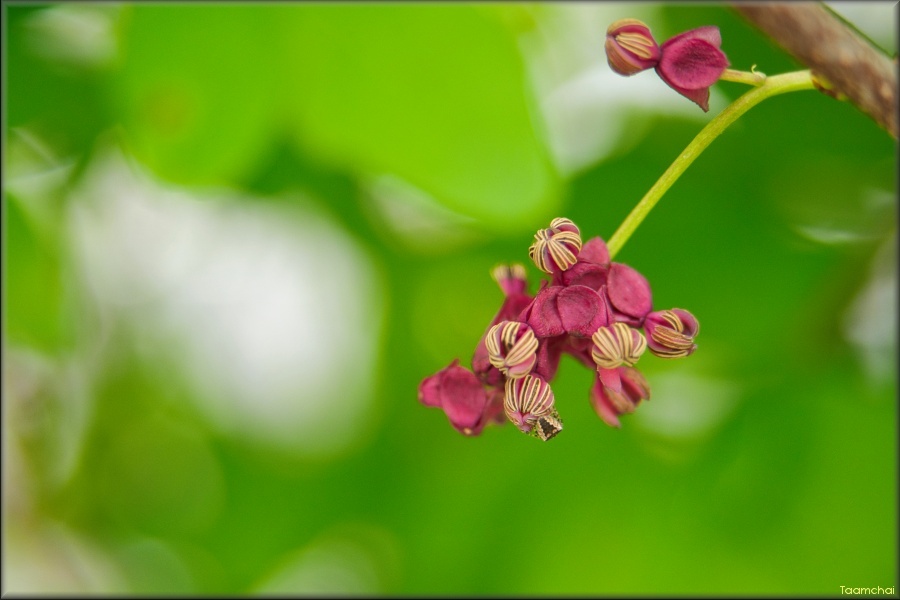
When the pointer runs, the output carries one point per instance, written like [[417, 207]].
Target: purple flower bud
[[526, 400], [628, 294], [576, 310], [691, 62], [512, 348], [610, 401], [556, 248], [670, 333], [617, 345], [511, 279], [630, 48], [460, 394]]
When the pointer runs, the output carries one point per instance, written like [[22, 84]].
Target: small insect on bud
[[556, 248], [617, 345], [630, 47], [671, 333], [512, 348], [547, 426], [526, 400]]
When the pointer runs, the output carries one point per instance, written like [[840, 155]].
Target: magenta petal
[[512, 306], [691, 64], [602, 406], [611, 378], [543, 314], [708, 33], [583, 273], [548, 355], [634, 385], [691, 326], [581, 310], [493, 413], [430, 388], [463, 400], [628, 291], [594, 251], [459, 392]]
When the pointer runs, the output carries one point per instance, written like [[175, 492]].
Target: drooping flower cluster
[[689, 62], [591, 308]]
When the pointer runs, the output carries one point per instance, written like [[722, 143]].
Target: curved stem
[[774, 85], [749, 77]]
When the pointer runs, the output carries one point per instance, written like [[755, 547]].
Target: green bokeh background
[[789, 489]]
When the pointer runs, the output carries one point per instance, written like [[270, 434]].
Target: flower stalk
[[771, 86]]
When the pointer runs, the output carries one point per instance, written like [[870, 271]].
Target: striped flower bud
[[556, 248], [512, 348], [670, 333], [617, 345], [526, 400], [511, 278], [630, 47]]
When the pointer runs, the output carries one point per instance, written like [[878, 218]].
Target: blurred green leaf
[[435, 94], [33, 281], [195, 91]]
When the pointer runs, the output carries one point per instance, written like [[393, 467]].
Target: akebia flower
[[512, 348], [617, 345], [527, 399], [458, 392], [592, 309], [556, 248], [689, 62], [670, 333], [622, 397]]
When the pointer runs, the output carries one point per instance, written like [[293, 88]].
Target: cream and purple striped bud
[[617, 345], [512, 348], [630, 47], [511, 278], [670, 333], [527, 399], [556, 248]]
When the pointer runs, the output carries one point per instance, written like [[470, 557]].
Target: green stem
[[771, 86], [751, 77]]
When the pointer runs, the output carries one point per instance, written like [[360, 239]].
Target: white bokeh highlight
[[271, 312], [586, 108]]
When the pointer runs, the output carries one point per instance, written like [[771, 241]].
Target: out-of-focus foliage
[[237, 236]]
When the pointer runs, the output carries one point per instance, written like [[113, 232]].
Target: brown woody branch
[[830, 49]]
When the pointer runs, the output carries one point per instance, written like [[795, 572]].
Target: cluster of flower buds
[[591, 308], [689, 62]]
